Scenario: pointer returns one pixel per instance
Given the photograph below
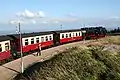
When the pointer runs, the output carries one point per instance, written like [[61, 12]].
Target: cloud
[[64, 19], [16, 22], [115, 17], [28, 14], [33, 21], [56, 22], [41, 14], [44, 22], [40, 17], [72, 15]]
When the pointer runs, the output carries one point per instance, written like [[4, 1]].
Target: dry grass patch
[[76, 64]]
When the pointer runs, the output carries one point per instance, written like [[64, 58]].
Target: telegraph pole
[[20, 38], [22, 65], [84, 33], [61, 27]]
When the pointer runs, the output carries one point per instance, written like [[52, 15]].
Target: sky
[[41, 15]]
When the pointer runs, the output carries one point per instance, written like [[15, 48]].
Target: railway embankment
[[13, 68], [92, 60]]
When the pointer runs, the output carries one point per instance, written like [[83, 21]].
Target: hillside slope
[[92, 63]]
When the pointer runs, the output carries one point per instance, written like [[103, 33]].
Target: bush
[[76, 64]]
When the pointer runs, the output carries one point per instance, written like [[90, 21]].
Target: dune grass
[[76, 64]]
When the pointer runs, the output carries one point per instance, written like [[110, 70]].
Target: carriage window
[[42, 39], [6, 46], [70, 35], [37, 40], [26, 42], [62, 35], [46, 38], [50, 37], [66, 35], [32, 41], [0, 48], [76, 34]]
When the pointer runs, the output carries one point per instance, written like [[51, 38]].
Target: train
[[10, 44]]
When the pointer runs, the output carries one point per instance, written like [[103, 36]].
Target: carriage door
[[83, 34], [56, 38], [13, 47]]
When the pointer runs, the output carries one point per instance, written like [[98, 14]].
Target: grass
[[110, 40], [76, 64]]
